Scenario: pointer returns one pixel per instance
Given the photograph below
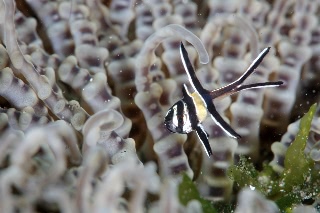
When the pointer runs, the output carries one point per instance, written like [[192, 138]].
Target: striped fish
[[187, 114]]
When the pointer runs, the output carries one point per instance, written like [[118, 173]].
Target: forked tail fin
[[236, 86]]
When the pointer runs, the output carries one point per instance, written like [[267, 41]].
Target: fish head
[[177, 119]]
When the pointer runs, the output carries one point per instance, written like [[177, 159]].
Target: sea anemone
[[85, 86]]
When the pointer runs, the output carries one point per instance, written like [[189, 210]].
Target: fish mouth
[[170, 126]]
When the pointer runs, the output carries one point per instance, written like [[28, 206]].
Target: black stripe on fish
[[180, 115], [191, 106], [204, 138]]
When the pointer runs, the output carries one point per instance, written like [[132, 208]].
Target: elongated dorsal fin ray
[[193, 79], [203, 136]]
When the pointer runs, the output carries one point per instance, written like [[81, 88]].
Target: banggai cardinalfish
[[187, 114]]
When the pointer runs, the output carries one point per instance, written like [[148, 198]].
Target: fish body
[[201, 110], [187, 114]]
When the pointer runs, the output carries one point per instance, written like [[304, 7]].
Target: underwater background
[[85, 86]]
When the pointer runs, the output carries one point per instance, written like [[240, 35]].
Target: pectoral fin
[[203, 136]]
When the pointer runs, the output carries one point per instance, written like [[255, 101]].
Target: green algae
[[299, 180], [188, 191]]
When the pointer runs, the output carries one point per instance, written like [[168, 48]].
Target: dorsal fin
[[194, 81]]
